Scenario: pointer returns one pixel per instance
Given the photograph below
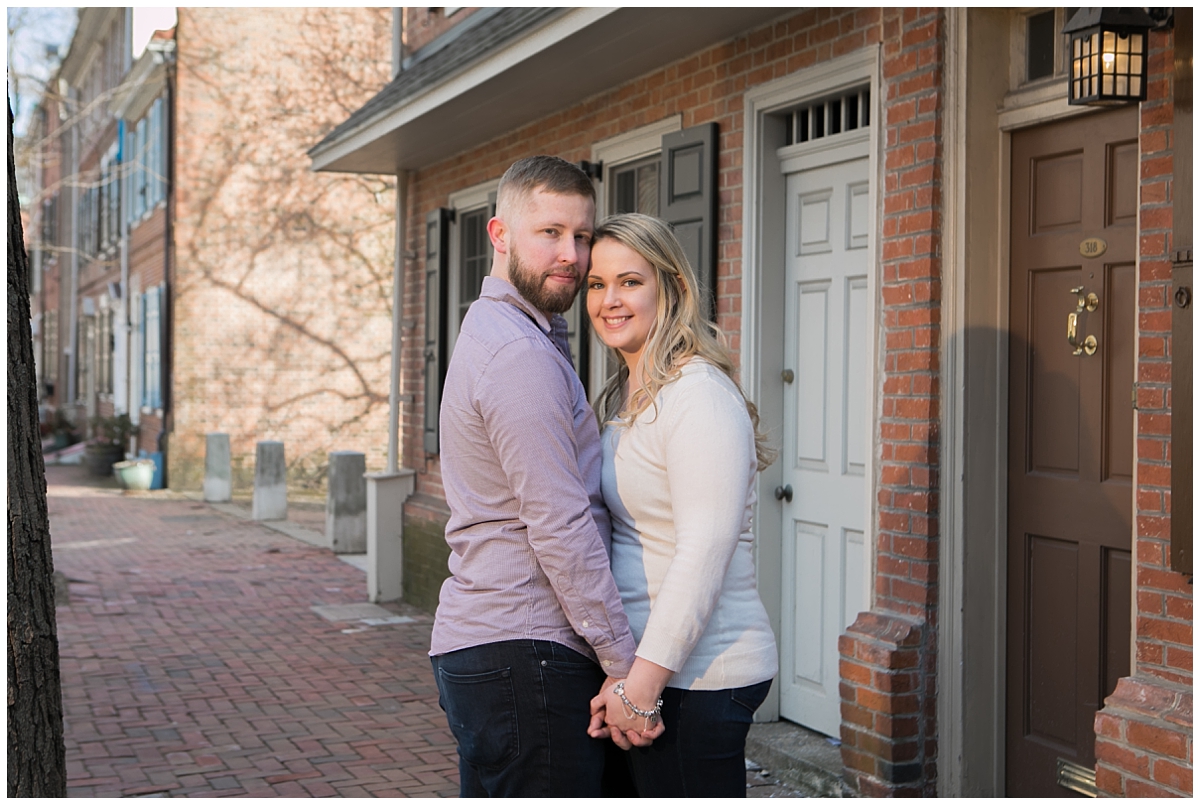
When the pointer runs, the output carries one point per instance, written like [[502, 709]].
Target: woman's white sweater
[[680, 486]]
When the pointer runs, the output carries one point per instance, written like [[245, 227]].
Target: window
[[1038, 54], [469, 253], [146, 174], [139, 170], [151, 332], [634, 187], [1041, 33], [104, 349], [474, 257]]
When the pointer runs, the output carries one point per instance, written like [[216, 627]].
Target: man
[[530, 622]]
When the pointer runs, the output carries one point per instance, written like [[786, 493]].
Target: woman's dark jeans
[[519, 710], [703, 751]]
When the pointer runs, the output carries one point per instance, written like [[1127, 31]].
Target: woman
[[681, 453]]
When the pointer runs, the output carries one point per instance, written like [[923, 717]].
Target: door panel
[[828, 325], [1070, 440]]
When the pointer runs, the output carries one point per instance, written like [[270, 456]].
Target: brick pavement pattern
[[193, 664]]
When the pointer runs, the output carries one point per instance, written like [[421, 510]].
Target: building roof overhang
[[90, 30], [504, 68], [144, 81]]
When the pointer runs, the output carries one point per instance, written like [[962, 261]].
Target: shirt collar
[[555, 328], [503, 291]]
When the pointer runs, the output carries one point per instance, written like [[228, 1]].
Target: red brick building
[[194, 273], [894, 211]]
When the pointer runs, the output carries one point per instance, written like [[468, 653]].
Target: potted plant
[[107, 445], [137, 473]]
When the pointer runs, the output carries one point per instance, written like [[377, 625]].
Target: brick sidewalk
[[193, 664]]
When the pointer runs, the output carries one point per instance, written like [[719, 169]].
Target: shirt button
[[585, 624], [606, 663]]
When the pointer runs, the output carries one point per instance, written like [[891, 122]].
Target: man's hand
[[596, 727]]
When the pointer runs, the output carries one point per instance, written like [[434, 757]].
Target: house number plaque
[[1093, 247]]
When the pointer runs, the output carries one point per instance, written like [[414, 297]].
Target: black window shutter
[[437, 256], [688, 201]]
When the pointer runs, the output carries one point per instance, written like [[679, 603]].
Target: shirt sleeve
[[528, 407], [708, 443]]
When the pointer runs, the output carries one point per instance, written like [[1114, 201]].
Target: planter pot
[[101, 457], [136, 474]]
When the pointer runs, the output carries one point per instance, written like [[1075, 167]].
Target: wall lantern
[[1108, 55]]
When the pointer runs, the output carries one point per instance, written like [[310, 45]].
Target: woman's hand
[[642, 688]]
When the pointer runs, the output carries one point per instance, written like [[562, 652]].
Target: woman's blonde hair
[[679, 332]]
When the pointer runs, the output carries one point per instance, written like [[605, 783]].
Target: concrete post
[[218, 474], [346, 505], [270, 482], [386, 493]]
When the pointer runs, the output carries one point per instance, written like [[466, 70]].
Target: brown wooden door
[[1070, 461]]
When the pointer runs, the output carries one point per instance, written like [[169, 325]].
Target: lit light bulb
[[1109, 60]]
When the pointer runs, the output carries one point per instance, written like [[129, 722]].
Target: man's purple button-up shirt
[[520, 455]]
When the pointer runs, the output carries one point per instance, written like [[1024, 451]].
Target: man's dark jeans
[[519, 710], [703, 751]]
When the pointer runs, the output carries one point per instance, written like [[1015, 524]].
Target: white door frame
[[761, 354]]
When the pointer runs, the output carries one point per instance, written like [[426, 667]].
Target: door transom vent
[[844, 112]]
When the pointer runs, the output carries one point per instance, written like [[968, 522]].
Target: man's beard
[[533, 287]]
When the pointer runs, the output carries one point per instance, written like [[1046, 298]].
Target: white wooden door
[[825, 438]]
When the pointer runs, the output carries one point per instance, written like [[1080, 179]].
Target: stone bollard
[[346, 506], [218, 475], [270, 482]]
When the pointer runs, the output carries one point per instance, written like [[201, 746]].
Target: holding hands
[[629, 710]]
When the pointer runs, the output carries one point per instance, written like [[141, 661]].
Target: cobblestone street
[[194, 664]]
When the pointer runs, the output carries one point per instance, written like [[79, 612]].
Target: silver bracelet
[[619, 689]]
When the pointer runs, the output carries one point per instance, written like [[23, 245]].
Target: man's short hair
[[541, 172]]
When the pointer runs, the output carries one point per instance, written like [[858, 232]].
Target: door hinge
[[1133, 396]]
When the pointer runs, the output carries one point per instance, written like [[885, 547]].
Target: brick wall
[[703, 87], [888, 665], [1144, 732], [282, 276]]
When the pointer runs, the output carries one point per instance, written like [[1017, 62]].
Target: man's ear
[[498, 233]]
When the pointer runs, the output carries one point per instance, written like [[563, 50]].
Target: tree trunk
[[36, 754]]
